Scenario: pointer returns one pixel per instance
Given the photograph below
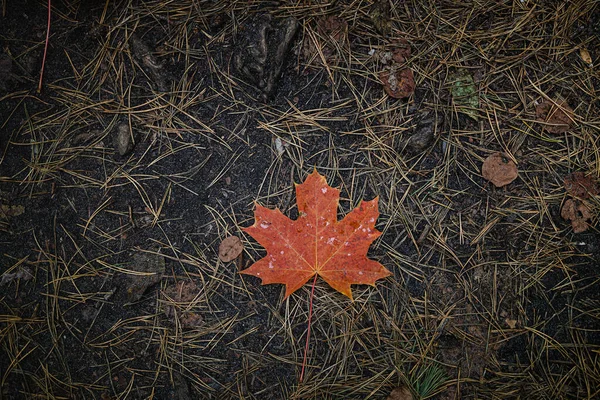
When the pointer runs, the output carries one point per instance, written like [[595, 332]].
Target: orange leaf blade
[[317, 243]]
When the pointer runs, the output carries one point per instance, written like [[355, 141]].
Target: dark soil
[[73, 330]]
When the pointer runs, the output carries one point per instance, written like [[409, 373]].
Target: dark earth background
[[87, 330]]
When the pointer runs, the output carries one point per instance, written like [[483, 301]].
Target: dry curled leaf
[[556, 116], [230, 248], [578, 213], [398, 81], [581, 185], [323, 46], [398, 84], [179, 300], [499, 169], [400, 393], [317, 243]]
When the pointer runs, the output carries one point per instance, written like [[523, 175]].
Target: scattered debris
[[578, 213], [398, 84], [464, 94], [146, 269], [586, 57], [230, 248], [581, 185], [400, 393], [398, 81], [23, 273], [179, 299], [428, 124], [261, 50], [141, 52], [512, 323], [380, 16], [280, 146], [556, 116], [324, 47], [499, 169], [123, 139], [7, 211]]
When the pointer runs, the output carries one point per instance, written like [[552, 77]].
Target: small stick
[[310, 307], [45, 48]]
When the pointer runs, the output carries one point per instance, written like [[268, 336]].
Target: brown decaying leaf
[[332, 35], [398, 81], [317, 243], [230, 248], [556, 116], [578, 213], [179, 299], [398, 84], [400, 393], [581, 185], [499, 169]]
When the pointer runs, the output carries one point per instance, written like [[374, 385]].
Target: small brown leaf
[[230, 248], [398, 81], [512, 323], [581, 185], [499, 169], [6, 210], [179, 300], [578, 213], [324, 47], [556, 116], [400, 393], [585, 56], [398, 84]]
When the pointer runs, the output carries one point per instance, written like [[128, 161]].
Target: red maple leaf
[[317, 243]]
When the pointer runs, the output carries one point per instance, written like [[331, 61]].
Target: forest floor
[[160, 125]]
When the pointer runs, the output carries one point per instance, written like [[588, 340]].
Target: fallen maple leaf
[[317, 243]]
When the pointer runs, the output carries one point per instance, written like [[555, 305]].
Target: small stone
[[146, 270], [428, 126], [123, 139], [400, 393]]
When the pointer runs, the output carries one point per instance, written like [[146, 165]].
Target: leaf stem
[[310, 308], [45, 46]]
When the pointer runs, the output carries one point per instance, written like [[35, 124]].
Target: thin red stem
[[310, 307], [45, 47]]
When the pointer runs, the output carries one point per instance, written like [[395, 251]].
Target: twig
[[310, 307], [45, 47]]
